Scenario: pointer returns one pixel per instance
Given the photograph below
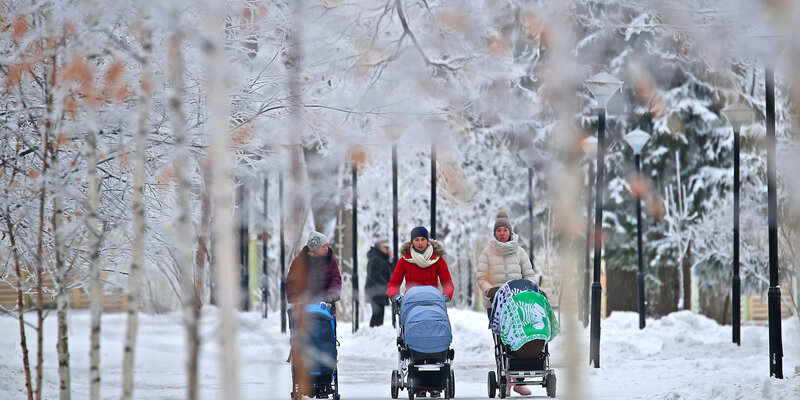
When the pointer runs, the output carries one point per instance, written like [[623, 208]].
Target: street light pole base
[[594, 345], [775, 341]]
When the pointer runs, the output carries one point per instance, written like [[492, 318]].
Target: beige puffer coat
[[501, 262]]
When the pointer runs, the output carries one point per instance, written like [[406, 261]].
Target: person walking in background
[[379, 271], [422, 263], [502, 260], [314, 274]]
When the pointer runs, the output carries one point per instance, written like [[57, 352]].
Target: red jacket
[[414, 275]]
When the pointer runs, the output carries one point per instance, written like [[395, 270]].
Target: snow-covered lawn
[[681, 356]]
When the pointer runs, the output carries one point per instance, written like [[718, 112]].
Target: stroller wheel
[[395, 388], [450, 392], [550, 383], [491, 384], [411, 393], [502, 387]]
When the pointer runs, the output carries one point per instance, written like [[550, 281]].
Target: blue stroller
[[313, 352], [423, 344]]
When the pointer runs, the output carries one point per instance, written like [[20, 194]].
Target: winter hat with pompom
[[316, 240], [502, 219]]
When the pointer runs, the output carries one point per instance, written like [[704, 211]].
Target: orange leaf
[[33, 173], [18, 28]]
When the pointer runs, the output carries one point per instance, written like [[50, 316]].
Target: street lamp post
[[774, 292], [264, 256], [590, 149], [528, 155], [737, 115], [770, 45], [394, 215], [637, 139], [283, 251], [602, 86]]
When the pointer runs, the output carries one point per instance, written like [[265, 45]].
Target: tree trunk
[[95, 286], [621, 290], [663, 299], [135, 278], [713, 305], [62, 281], [181, 164], [48, 128], [20, 305], [687, 278], [226, 270]]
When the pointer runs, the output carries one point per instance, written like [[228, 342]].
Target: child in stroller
[[423, 345], [313, 351], [522, 324]]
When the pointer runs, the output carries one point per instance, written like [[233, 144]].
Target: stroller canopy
[[423, 315], [522, 314]]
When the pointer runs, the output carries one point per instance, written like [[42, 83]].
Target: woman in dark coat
[[379, 271], [314, 275]]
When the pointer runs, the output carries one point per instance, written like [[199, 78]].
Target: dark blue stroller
[[313, 352], [423, 344]]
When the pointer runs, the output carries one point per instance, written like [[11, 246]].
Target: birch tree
[[191, 309], [224, 256], [135, 280]]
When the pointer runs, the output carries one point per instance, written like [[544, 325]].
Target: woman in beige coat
[[502, 260]]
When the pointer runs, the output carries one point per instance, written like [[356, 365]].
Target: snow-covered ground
[[681, 356]]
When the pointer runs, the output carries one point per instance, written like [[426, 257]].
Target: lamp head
[[603, 86], [769, 44], [738, 114], [637, 139]]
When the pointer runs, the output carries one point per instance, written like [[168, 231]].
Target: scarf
[[503, 248], [422, 259]]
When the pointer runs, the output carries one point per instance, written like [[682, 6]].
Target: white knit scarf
[[423, 260]]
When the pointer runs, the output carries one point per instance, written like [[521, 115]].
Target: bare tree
[[135, 280], [224, 255], [20, 303], [191, 308], [95, 285]]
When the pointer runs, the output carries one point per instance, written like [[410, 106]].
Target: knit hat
[[502, 219], [381, 241], [419, 231], [316, 240]]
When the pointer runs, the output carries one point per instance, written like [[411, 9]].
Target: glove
[[490, 294], [396, 298], [446, 298]]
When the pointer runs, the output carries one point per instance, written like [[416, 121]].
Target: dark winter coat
[[415, 275], [313, 279], [379, 271]]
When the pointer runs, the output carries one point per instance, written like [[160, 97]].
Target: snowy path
[[682, 356]]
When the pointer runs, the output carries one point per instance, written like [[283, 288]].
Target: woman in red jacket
[[421, 264]]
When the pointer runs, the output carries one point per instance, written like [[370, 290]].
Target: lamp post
[[590, 150], [433, 188], [283, 251], [769, 45], [637, 139], [602, 86], [737, 115], [528, 155], [264, 255]]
